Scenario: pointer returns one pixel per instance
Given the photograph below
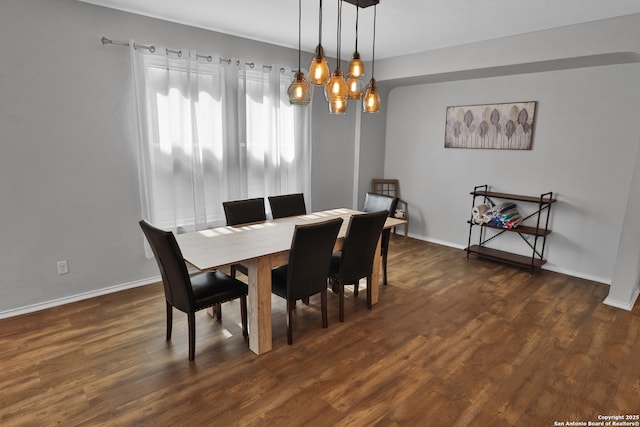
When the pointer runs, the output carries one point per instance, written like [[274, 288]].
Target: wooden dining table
[[261, 247]]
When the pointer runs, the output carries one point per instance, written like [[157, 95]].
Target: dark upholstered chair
[[377, 202], [391, 187], [355, 260], [190, 294], [308, 268], [287, 205], [243, 211]]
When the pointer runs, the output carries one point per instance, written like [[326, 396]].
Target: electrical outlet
[[63, 267]]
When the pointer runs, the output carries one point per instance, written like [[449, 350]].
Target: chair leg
[[243, 315], [334, 285], [305, 300], [218, 310], [369, 303], [384, 269], [289, 322], [233, 271], [169, 320], [341, 298], [323, 306], [356, 288], [191, 320]]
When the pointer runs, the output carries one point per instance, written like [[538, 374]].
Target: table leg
[[375, 275], [259, 305]]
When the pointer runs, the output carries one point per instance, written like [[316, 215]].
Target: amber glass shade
[[338, 106], [371, 100], [356, 67], [355, 88], [319, 68], [336, 87], [299, 90]]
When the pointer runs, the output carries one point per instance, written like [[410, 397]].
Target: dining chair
[[191, 294], [377, 202], [287, 205], [355, 260], [391, 187], [308, 268], [243, 211]]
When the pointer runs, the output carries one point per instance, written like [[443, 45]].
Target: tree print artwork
[[507, 126]]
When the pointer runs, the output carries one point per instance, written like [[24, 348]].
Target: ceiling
[[403, 26]]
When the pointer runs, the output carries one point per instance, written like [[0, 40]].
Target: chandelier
[[337, 89]]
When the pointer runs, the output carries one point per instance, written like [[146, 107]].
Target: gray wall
[[68, 176], [583, 76], [584, 146]]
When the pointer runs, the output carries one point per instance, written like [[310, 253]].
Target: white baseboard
[[573, 273], [625, 305], [78, 297], [548, 266]]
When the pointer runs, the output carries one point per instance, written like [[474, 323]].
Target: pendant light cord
[[339, 31], [299, 31], [373, 56], [320, 25], [357, 16]]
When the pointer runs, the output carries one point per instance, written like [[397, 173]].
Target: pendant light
[[336, 88], [371, 100], [319, 68], [356, 67], [299, 90]]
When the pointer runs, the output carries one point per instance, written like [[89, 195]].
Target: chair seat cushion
[[336, 262], [215, 287], [279, 281]]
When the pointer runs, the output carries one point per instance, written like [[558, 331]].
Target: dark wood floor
[[453, 342]]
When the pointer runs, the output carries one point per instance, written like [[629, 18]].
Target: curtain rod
[[152, 49]]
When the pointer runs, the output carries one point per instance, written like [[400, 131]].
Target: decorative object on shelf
[[506, 126], [479, 213], [501, 218], [319, 68], [371, 99], [504, 215], [299, 91]]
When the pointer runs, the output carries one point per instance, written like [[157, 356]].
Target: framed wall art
[[506, 126]]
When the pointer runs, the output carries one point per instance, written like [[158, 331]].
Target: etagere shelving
[[540, 231]]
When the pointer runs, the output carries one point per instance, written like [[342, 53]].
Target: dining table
[[262, 246]]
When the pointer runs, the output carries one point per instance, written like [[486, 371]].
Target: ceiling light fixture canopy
[[299, 91]]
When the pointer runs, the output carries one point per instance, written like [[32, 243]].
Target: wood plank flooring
[[453, 342]]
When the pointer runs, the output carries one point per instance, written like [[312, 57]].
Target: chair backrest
[[359, 245], [287, 205], [388, 187], [310, 258], [379, 202], [175, 276], [244, 211]]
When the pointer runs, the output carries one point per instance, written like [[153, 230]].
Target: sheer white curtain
[[211, 131]]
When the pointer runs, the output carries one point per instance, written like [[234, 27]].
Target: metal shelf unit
[[539, 232]]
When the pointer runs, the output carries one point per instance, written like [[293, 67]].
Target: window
[[213, 131]]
